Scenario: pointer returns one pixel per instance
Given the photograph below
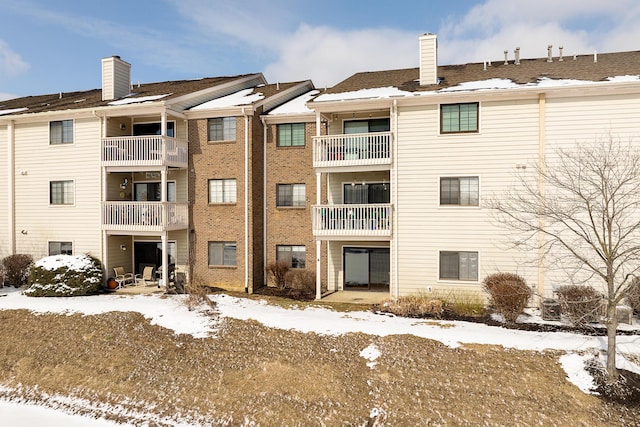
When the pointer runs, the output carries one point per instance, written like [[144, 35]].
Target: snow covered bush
[[508, 294], [14, 270], [580, 303], [65, 276]]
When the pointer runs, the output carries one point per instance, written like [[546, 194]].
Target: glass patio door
[[366, 268]]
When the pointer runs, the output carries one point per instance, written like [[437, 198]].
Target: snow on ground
[[170, 312]]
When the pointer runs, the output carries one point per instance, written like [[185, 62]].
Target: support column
[[541, 162], [318, 242], [165, 259]]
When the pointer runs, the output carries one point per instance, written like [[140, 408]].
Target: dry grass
[[248, 372]]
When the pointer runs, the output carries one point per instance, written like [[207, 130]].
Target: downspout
[[264, 200], [11, 186], [318, 202], [246, 201], [394, 190], [542, 102], [103, 196]]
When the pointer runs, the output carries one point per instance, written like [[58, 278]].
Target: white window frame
[[223, 244], [478, 255], [225, 137], [73, 192], [461, 176], [304, 134], [295, 202], [229, 196], [60, 242], [73, 132]]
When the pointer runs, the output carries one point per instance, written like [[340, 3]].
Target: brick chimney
[[428, 59], [116, 78]]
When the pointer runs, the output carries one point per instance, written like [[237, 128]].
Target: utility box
[[550, 309]]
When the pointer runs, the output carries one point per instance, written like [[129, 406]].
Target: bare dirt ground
[[126, 369]]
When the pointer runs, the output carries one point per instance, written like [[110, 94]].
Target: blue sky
[[50, 46]]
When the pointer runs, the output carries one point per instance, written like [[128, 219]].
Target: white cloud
[[4, 96], [580, 26], [328, 55], [11, 63]]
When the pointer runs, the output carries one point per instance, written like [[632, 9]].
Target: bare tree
[[581, 209]]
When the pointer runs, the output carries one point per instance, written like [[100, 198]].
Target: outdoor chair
[[147, 278], [123, 278]]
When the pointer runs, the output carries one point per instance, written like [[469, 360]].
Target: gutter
[[246, 201], [264, 200], [11, 186]]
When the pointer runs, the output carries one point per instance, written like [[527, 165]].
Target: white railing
[[352, 220], [144, 216], [144, 151], [352, 149]]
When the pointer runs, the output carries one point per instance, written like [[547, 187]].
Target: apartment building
[[227, 175], [375, 184], [109, 171], [411, 154]]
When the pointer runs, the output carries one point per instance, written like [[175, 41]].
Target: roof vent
[[560, 48], [549, 53], [506, 61], [517, 54]]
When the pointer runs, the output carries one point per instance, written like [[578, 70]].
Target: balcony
[[360, 151], [354, 222], [144, 216], [136, 151]]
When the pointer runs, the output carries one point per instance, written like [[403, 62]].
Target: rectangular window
[[61, 132], [291, 195], [61, 192], [140, 129], [459, 266], [291, 135], [459, 191], [222, 129], [356, 193], [294, 256], [60, 248], [459, 118], [222, 253], [222, 191]]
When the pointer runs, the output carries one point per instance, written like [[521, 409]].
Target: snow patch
[[242, 97], [371, 353], [380, 92], [574, 365], [295, 106], [136, 100], [72, 262], [11, 111]]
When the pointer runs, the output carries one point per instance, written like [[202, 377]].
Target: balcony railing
[[359, 149], [144, 151], [144, 216], [356, 221]]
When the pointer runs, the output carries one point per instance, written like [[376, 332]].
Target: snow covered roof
[[296, 105], [236, 99], [133, 99], [12, 111], [571, 71]]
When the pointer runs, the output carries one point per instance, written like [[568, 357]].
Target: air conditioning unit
[[550, 309]]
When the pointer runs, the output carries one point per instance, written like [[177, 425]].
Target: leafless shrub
[[277, 270], [416, 305], [197, 294], [301, 279], [508, 294], [15, 270], [580, 303]]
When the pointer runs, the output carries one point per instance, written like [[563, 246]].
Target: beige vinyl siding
[[4, 193], [42, 163], [508, 136]]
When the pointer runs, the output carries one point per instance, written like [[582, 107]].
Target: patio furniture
[[123, 278], [147, 278]]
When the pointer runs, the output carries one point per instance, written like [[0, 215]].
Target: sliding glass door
[[366, 268]]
